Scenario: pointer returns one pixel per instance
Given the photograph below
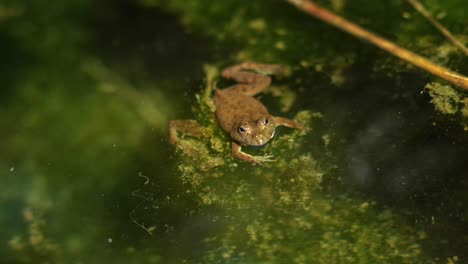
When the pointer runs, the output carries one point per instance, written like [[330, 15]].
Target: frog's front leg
[[239, 154], [186, 127], [281, 121]]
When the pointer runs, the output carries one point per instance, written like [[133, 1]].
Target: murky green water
[[87, 174]]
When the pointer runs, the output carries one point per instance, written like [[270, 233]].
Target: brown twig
[[404, 54], [423, 11]]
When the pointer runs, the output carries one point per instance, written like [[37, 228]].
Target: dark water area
[[87, 174], [391, 146], [150, 43]]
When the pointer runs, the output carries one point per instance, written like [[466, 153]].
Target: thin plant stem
[[404, 54], [423, 11]]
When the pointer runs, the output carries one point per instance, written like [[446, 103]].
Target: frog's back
[[233, 107]]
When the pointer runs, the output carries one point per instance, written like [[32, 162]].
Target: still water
[[87, 174]]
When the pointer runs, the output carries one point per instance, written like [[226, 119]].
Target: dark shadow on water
[[148, 44], [15, 64], [393, 146]]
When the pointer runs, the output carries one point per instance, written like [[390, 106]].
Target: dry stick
[[421, 9], [353, 29]]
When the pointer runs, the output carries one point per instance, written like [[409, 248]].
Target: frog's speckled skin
[[241, 115], [235, 111]]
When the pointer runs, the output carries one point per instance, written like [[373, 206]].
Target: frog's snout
[[263, 138]]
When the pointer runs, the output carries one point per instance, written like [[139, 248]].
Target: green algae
[[56, 187], [277, 32], [266, 31], [259, 33], [8, 12], [279, 211], [449, 101], [77, 134], [66, 141]]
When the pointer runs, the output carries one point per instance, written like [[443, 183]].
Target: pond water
[[87, 174]]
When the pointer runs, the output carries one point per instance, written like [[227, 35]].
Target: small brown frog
[[246, 119]]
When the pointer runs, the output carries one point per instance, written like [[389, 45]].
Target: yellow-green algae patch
[[280, 212], [449, 101]]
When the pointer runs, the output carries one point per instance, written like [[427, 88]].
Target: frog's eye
[[243, 129], [263, 121]]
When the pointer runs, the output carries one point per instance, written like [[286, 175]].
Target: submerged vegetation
[[279, 212], [87, 173], [280, 33]]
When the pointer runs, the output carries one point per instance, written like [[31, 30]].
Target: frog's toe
[[263, 159], [305, 129]]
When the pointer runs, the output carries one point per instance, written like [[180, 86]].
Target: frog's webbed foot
[[281, 121], [186, 127], [239, 154]]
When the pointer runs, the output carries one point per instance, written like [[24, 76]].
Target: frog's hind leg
[[252, 77], [281, 121], [250, 83], [186, 127], [261, 68]]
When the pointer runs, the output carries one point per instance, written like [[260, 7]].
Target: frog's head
[[256, 132]]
